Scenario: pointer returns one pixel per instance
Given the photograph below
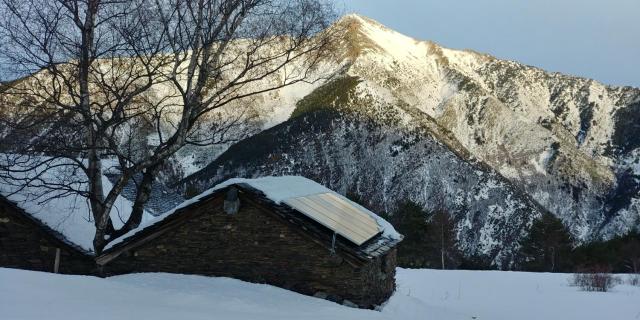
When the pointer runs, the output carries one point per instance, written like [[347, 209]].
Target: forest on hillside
[[430, 242]]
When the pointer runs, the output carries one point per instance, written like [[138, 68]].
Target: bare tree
[[105, 75], [443, 227]]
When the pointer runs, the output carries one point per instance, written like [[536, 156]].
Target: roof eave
[[54, 235]]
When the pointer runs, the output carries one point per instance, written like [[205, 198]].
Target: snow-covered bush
[[594, 279], [634, 279]]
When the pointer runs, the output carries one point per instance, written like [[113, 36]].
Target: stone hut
[[285, 231], [46, 229], [28, 243]]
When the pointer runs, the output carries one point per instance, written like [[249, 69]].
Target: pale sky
[[587, 38]]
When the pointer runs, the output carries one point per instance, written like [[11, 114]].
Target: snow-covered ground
[[422, 294], [499, 295]]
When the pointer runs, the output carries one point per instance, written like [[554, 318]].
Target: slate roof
[[376, 246], [162, 198]]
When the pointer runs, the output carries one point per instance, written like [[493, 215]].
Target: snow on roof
[[64, 211], [277, 189]]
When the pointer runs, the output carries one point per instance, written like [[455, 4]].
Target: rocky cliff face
[[568, 142], [500, 141]]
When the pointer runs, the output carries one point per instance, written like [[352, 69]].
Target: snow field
[[422, 294]]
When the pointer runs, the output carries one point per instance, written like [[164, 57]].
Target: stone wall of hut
[[379, 277], [257, 246], [25, 245]]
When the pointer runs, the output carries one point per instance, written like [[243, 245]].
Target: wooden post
[[56, 264]]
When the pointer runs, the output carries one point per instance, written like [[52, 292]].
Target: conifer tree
[[411, 221], [429, 237], [548, 247]]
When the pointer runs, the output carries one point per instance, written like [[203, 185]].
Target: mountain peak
[[361, 20], [364, 35]]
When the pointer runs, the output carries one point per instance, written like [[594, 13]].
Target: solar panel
[[337, 214]]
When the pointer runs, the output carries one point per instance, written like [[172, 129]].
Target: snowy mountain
[[496, 142]]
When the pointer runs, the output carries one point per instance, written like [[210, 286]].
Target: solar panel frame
[[342, 204], [337, 214], [332, 213], [333, 221]]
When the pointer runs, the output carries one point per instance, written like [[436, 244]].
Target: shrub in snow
[[593, 279], [634, 279]]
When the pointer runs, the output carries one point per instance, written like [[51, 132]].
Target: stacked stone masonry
[[256, 246]]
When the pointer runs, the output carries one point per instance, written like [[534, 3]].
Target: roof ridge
[[371, 248]]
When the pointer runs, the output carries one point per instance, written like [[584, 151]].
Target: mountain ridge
[[495, 79]]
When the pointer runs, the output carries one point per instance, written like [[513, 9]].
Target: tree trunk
[[553, 259], [94, 165], [442, 244], [142, 197], [96, 199]]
